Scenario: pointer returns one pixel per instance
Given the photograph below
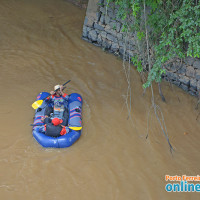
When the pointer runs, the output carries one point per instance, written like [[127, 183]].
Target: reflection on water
[[41, 46]]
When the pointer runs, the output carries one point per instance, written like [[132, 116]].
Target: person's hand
[[43, 118], [52, 92], [61, 87]]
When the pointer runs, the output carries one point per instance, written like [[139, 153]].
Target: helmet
[[56, 121], [56, 87]]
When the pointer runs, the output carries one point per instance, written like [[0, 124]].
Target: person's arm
[[42, 129], [61, 90], [66, 97], [49, 99], [47, 120], [64, 130]]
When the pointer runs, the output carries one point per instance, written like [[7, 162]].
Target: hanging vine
[[166, 31]]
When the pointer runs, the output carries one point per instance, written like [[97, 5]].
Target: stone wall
[[102, 28], [185, 75]]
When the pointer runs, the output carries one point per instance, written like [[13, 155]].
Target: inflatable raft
[[73, 128]]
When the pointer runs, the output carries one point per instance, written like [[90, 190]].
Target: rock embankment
[[103, 28]]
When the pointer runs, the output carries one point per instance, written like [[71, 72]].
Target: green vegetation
[[166, 31]]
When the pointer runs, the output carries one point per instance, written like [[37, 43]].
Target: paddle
[[38, 103], [73, 128], [36, 124]]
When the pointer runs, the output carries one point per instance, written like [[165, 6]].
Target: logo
[[39, 96], [182, 183]]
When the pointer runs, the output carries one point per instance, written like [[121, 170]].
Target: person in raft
[[57, 104], [53, 128]]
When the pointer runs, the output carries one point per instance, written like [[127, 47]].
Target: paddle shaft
[[35, 125], [66, 82], [73, 128]]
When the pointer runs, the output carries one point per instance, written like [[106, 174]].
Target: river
[[41, 46]]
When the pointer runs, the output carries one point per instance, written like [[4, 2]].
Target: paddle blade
[[37, 104], [76, 128]]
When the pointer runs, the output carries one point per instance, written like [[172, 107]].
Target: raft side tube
[[59, 142], [75, 110], [44, 140]]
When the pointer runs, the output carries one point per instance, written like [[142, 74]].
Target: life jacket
[[52, 130], [58, 109], [54, 98], [62, 100], [60, 104]]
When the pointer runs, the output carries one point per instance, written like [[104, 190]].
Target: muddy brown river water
[[41, 46]]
